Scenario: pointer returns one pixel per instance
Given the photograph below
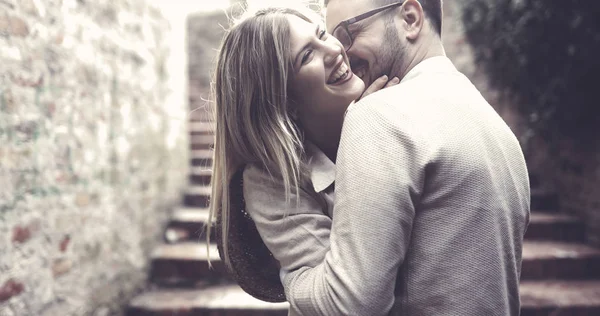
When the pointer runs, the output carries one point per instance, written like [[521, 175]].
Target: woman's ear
[[413, 19]]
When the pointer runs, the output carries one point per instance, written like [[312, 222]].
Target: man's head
[[391, 41]]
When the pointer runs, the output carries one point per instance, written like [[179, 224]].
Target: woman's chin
[[357, 86]]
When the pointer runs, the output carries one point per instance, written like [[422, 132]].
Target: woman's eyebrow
[[307, 45]]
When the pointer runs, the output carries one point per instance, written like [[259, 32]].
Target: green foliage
[[545, 55]]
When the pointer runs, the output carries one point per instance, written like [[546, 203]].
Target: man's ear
[[413, 18]]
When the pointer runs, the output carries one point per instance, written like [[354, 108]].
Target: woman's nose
[[331, 51]]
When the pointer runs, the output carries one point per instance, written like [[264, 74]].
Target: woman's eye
[[308, 53], [306, 56], [322, 34]]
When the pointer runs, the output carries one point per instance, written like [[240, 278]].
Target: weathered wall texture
[[205, 31], [91, 154]]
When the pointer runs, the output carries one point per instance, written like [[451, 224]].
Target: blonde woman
[[282, 86]]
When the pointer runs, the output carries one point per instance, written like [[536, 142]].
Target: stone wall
[[92, 154], [205, 32]]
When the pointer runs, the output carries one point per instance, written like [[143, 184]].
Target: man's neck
[[431, 48]]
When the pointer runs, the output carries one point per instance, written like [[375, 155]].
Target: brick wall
[[92, 152]]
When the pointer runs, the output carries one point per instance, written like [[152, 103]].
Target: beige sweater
[[432, 202]]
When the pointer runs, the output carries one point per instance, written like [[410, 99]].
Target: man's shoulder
[[428, 88], [392, 103]]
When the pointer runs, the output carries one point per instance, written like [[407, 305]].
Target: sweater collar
[[322, 169], [429, 65]]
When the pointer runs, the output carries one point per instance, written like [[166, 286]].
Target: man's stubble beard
[[392, 54]]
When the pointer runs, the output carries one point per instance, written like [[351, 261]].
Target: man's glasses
[[342, 33]]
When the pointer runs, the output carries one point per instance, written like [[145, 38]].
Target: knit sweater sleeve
[[380, 172], [296, 232]]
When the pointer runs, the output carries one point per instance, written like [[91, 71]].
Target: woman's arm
[[296, 233]]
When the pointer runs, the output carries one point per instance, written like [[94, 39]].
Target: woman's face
[[322, 84]]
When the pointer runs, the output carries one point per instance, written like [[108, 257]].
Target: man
[[432, 192]]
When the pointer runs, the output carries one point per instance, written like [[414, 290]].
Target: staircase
[[180, 281], [560, 275]]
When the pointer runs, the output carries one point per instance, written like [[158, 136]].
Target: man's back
[[431, 205], [470, 192]]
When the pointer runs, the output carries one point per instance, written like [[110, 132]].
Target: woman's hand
[[380, 83]]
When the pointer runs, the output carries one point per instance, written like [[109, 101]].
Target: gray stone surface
[[90, 156]]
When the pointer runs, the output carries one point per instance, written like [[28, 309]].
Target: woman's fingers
[[392, 82], [377, 85], [380, 83]]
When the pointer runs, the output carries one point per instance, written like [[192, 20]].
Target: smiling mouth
[[342, 72]]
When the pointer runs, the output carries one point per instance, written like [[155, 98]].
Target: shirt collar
[[322, 169], [429, 65]]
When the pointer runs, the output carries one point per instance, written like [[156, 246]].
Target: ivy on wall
[[545, 56]]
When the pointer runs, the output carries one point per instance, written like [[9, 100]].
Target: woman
[[282, 86]]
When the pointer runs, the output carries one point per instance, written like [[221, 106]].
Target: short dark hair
[[432, 8]]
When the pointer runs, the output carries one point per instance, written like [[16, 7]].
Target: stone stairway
[[560, 275], [180, 281]]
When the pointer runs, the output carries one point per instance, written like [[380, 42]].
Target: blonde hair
[[253, 124]]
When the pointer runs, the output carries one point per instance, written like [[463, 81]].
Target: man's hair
[[432, 8]]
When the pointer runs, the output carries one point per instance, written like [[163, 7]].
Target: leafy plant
[[545, 56]]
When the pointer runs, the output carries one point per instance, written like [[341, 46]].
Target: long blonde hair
[[252, 110]]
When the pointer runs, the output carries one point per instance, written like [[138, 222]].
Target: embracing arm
[[378, 175], [297, 234]]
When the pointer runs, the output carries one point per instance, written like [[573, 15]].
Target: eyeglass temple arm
[[370, 13]]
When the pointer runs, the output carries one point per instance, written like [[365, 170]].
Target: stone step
[[560, 298], [201, 158], [197, 196], [187, 224], [544, 200], [538, 298], [541, 260], [201, 128], [559, 260], [201, 116], [200, 175], [186, 263], [560, 227], [202, 142], [216, 300]]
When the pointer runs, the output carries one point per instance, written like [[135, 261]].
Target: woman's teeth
[[341, 73]]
